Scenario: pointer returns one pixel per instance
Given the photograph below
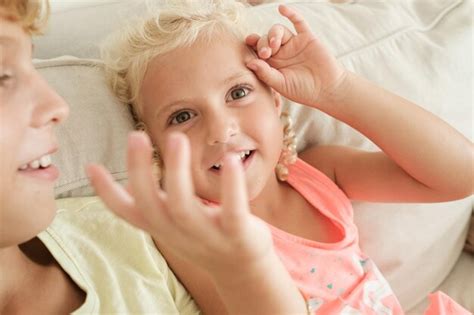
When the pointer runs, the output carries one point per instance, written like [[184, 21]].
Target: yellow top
[[117, 265]]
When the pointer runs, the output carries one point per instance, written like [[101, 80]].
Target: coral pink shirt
[[336, 278]]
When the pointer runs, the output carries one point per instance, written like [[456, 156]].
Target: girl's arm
[[423, 159], [265, 289]]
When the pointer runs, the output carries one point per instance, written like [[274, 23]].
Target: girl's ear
[[277, 100]]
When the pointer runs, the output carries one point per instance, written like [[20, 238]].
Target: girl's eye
[[239, 92], [181, 117]]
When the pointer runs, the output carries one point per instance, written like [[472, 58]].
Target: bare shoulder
[[324, 158]]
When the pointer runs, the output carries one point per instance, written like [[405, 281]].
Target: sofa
[[419, 49]]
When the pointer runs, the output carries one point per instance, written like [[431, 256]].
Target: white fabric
[[458, 284], [421, 50], [97, 127]]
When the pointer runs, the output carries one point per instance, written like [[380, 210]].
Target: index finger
[[300, 24]]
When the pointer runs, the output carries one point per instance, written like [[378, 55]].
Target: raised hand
[[297, 65], [218, 239]]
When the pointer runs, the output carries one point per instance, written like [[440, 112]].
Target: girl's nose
[[50, 108], [221, 128]]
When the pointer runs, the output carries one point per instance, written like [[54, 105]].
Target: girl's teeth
[[35, 164], [45, 161], [242, 156]]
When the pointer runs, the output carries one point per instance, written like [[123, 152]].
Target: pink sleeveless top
[[337, 278]]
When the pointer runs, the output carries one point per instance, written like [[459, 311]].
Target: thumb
[[267, 74]]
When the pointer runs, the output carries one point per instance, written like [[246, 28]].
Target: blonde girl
[[232, 206]]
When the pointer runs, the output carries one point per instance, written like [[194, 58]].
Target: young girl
[[232, 195], [78, 262]]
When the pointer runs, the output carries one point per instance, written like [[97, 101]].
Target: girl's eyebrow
[[165, 108], [237, 76]]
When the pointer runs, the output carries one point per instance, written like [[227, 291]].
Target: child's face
[[207, 92], [28, 111]]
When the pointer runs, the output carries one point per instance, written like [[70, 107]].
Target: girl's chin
[[215, 198], [37, 219], [36, 200]]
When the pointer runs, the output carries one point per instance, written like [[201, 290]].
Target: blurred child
[[76, 263]]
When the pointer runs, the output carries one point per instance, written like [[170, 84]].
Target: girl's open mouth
[[245, 157]]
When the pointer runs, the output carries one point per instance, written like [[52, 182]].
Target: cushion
[[457, 284], [90, 21], [97, 127], [420, 50]]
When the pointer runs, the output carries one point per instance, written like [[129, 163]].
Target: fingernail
[[139, 139], [263, 50], [272, 41], [172, 142], [134, 138], [252, 66], [231, 159]]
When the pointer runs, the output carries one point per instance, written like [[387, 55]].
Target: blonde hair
[[180, 23], [128, 53], [32, 15], [288, 154]]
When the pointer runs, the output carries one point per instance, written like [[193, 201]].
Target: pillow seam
[[413, 28]]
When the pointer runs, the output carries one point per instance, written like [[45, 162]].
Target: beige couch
[[419, 49]]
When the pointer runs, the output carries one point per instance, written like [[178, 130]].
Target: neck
[[17, 269], [30, 273], [271, 198]]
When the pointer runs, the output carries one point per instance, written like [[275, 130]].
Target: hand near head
[[297, 65], [217, 239]]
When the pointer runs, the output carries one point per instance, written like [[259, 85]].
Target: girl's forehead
[[208, 42], [190, 69], [191, 72], [202, 57]]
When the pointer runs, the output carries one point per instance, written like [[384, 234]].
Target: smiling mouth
[[244, 155]]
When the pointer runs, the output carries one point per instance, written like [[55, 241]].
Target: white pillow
[[77, 28], [418, 49], [97, 127]]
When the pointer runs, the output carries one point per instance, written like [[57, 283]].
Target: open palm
[[215, 238]]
